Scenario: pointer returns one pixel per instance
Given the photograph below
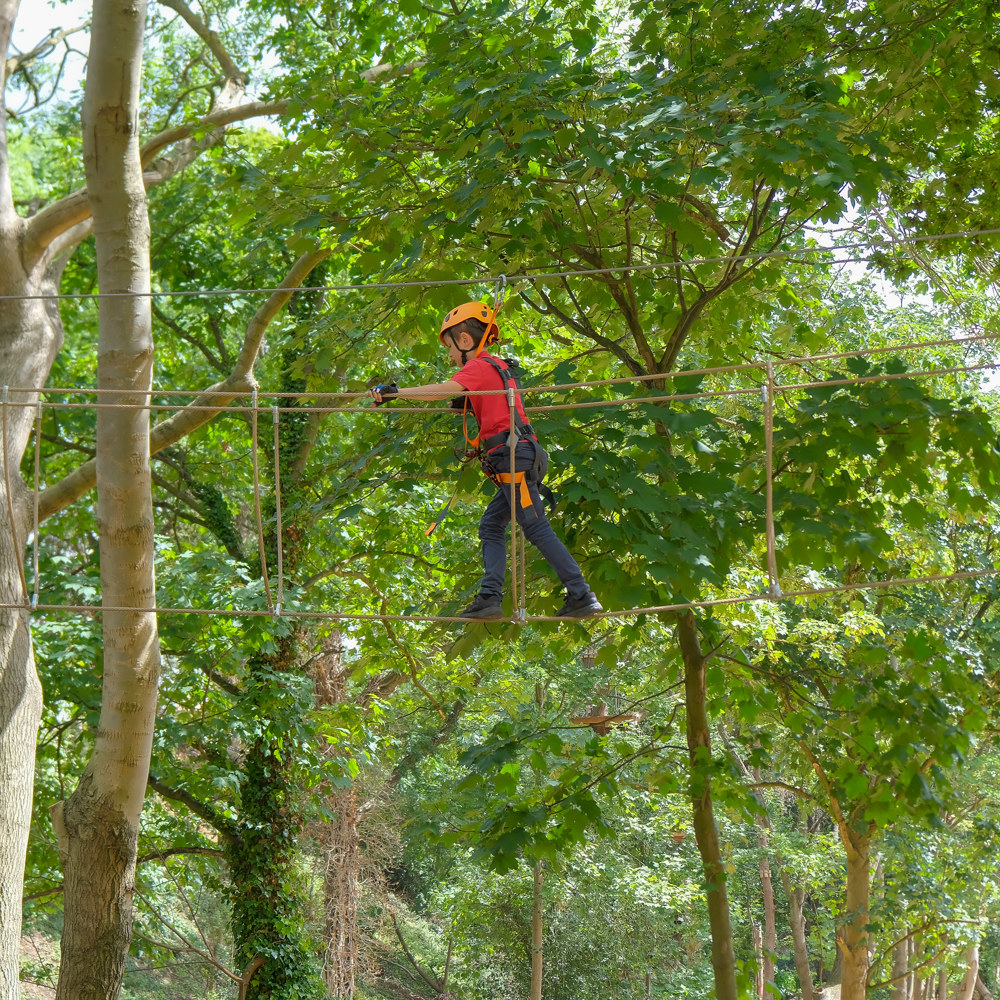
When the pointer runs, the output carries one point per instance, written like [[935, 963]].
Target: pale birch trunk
[[757, 937], [979, 989], [912, 959], [800, 948], [33, 253], [30, 336], [900, 977], [967, 985], [98, 824]]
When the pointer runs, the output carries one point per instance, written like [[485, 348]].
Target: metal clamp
[[499, 292]]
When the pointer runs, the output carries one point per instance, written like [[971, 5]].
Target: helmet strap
[[479, 348], [465, 354]]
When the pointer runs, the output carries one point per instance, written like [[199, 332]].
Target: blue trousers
[[532, 520]]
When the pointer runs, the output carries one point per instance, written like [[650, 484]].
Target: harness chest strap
[[522, 430]]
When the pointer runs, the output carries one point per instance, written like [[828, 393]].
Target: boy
[[466, 333]]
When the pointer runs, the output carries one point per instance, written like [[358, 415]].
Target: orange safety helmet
[[473, 310]]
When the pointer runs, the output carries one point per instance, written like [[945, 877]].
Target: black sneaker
[[483, 607], [580, 607]]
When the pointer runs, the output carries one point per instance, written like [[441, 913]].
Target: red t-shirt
[[492, 412]]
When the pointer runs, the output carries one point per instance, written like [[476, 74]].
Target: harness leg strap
[[521, 482]]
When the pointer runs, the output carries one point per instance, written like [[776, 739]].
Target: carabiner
[[499, 291]]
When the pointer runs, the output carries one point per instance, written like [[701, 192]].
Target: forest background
[[765, 242]]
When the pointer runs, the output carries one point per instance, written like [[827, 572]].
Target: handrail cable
[[879, 243]]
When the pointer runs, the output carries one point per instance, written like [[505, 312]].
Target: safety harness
[[523, 431], [482, 448]]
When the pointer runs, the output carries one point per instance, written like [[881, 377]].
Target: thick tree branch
[[185, 947], [174, 852], [381, 686], [583, 326], [215, 119], [204, 407], [437, 985], [801, 792], [51, 222], [211, 39], [219, 118], [55, 219], [225, 829]]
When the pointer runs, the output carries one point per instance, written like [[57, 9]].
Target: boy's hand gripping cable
[[387, 391]]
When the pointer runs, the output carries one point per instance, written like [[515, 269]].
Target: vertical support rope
[[514, 603], [277, 511], [522, 614], [18, 554], [256, 500], [767, 390], [38, 465]]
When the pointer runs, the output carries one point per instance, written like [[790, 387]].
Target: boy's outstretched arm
[[435, 390]]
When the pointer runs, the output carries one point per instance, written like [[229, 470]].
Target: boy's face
[[456, 344]]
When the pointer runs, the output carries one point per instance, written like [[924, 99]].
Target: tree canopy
[[748, 265]]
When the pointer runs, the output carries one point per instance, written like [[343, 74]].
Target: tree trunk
[[765, 953], [757, 937], [767, 892], [900, 977], [339, 839], [20, 713], [30, 336], [852, 935], [705, 830], [967, 985], [800, 949], [267, 919], [33, 253], [536, 932], [98, 825], [340, 891]]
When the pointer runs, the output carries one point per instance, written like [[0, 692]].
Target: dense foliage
[[670, 192]]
